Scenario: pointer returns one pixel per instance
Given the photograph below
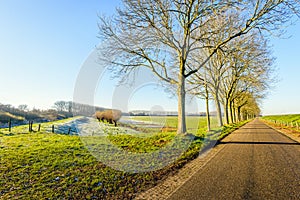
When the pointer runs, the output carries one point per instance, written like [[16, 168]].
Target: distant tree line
[[60, 110], [22, 114]]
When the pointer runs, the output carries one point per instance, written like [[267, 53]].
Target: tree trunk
[[236, 119], [207, 108], [243, 115], [239, 113], [181, 105], [226, 115], [234, 114], [231, 112], [219, 112]]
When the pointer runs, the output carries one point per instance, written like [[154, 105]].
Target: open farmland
[[289, 124], [47, 165], [283, 118], [195, 125]]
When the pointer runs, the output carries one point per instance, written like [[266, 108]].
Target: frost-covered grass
[[45, 127]]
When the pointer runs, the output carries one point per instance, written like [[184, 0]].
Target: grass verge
[[287, 122]]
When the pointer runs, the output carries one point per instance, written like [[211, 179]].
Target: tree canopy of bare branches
[[166, 35]]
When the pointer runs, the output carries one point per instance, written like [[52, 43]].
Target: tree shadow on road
[[259, 143]]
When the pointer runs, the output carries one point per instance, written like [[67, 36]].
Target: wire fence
[[69, 129], [289, 124]]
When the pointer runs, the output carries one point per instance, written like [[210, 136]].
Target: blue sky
[[45, 43]]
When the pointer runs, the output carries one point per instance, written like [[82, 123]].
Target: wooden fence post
[[53, 128], [69, 130], [29, 129], [39, 129]]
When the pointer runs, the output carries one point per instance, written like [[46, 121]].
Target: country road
[[255, 162]]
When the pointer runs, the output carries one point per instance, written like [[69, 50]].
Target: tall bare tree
[[162, 35], [250, 63], [199, 87]]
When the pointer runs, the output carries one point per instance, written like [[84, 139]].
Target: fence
[[45, 127], [295, 125]]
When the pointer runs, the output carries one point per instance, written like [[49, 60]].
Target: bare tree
[[60, 105], [200, 87], [244, 67], [162, 35], [250, 63], [251, 108], [23, 107]]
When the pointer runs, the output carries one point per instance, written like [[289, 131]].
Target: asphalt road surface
[[256, 162]]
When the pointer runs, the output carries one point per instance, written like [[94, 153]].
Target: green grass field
[[290, 122], [195, 125], [192, 121], [53, 166], [283, 118]]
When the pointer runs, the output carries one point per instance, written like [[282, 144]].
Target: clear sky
[[44, 44]]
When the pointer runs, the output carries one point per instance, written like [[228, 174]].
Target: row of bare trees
[[219, 46], [236, 78]]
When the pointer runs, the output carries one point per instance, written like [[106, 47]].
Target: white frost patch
[[87, 126]]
